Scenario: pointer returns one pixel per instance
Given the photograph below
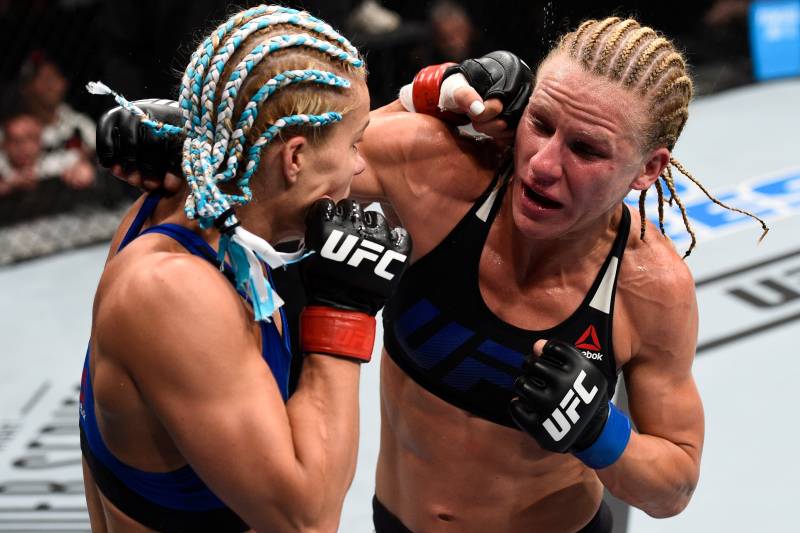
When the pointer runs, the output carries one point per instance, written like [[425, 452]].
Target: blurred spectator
[[21, 152], [453, 32], [724, 12], [67, 136], [370, 17]]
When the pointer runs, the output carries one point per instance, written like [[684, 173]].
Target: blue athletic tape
[[611, 443]]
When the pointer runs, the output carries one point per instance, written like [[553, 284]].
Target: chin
[[534, 229], [338, 195]]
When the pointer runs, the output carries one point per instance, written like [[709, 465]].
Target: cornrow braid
[[250, 113], [590, 47], [644, 60], [640, 59], [610, 44], [214, 149], [672, 60], [622, 62], [241, 71], [578, 33]]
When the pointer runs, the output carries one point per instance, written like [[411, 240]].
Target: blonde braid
[[642, 215], [579, 33], [700, 186], [670, 60], [669, 180], [644, 60], [590, 47], [660, 192], [610, 45], [623, 59]]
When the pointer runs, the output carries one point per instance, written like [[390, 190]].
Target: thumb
[[457, 95], [468, 101]]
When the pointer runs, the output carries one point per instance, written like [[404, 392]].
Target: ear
[[293, 158], [653, 166]]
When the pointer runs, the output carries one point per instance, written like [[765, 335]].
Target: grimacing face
[[577, 151]]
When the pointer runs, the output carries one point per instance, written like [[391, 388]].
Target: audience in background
[[41, 136], [47, 161], [68, 141], [453, 32], [20, 158]]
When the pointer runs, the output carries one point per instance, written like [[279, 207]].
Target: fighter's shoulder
[[652, 268], [163, 296], [655, 280], [657, 295]]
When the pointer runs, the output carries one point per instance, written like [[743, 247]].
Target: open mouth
[[538, 199]]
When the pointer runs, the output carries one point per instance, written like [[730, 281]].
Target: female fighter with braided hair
[[540, 249], [187, 422]]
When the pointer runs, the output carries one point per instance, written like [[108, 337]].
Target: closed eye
[[542, 126], [586, 150]]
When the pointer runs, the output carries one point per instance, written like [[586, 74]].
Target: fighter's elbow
[[289, 503], [304, 514], [672, 505]]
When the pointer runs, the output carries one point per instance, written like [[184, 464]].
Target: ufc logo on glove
[[368, 250], [563, 424]]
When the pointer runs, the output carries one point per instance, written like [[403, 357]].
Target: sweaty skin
[[177, 369], [442, 469]]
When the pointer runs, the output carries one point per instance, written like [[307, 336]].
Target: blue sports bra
[[178, 500]]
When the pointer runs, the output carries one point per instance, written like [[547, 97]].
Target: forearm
[[323, 415], [654, 475]]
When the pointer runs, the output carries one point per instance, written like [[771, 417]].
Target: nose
[[546, 164]]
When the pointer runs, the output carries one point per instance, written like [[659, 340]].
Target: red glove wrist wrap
[[337, 332], [425, 94]]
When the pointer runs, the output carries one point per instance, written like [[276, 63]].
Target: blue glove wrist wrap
[[611, 443]]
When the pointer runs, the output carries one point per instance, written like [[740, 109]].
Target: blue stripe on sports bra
[[179, 489]]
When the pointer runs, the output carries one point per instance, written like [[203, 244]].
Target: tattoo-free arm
[[659, 469], [181, 332]]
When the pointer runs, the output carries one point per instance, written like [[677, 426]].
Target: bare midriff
[[442, 469]]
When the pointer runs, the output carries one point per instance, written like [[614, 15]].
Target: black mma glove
[[562, 400], [123, 139], [358, 262], [500, 75]]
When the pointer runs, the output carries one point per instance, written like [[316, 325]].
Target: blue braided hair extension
[[214, 150], [161, 129]]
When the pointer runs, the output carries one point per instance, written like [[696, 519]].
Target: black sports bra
[[438, 329]]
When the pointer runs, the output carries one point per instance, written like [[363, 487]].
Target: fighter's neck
[[263, 218], [539, 257]]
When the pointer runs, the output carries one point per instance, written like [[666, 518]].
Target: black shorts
[[386, 522]]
